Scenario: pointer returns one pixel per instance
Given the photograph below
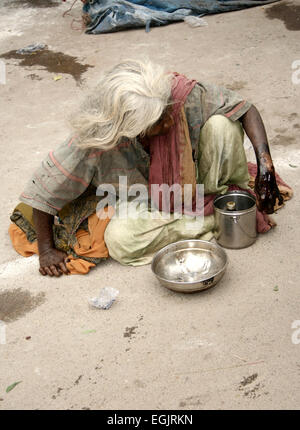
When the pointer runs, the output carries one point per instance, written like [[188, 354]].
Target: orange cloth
[[20, 242], [89, 243]]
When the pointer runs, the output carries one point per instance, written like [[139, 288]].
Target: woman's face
[[163, 125]]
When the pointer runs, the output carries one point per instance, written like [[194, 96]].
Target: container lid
[[242, 200]]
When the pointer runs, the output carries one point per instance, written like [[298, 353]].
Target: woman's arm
[[52, 261], [266, 188]]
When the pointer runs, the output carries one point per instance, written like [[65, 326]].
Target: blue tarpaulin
[[106, 16]]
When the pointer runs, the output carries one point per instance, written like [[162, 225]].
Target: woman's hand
[[266, 189], [53, 262]]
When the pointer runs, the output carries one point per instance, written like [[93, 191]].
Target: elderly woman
[[152, 127]]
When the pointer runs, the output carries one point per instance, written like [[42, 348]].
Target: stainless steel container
[[235, 228], [189, 265]]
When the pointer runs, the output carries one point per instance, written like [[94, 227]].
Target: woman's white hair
[[127, 101]]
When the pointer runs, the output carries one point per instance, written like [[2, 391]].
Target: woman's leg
[[222, 158], [134, 241]]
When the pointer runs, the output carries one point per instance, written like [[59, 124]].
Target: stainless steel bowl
[[189, 265]]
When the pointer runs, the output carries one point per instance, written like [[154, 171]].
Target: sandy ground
[[228, 347]]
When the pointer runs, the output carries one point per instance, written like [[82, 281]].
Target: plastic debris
[[105, 16], [276, 288], [148, 26], [195, 21], [57, 78], [105, 299], [31, 48]]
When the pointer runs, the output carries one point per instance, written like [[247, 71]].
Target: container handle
[[235, 219]]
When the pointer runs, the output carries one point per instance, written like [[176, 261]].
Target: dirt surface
[[15, 304], [53, 62], [153, 349], [289, 13], [33, 3]]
